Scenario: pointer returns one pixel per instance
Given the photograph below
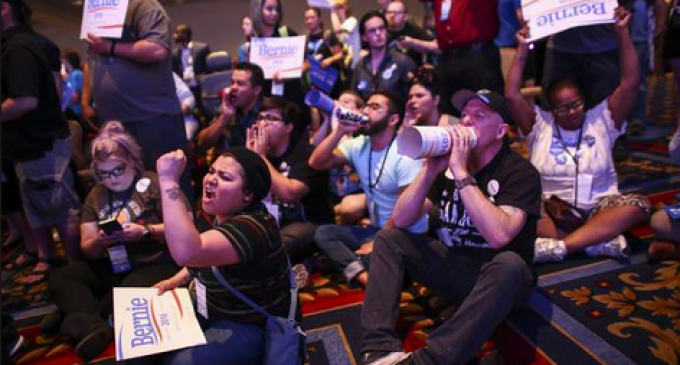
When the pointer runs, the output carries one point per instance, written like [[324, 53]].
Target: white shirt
[[597, 173]]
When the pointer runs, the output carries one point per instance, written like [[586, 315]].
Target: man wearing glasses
[[380, 69], [300, 196], [383, 174], [400, 28]]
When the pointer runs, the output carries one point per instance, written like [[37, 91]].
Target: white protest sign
[[283, 55], [146, 323], [324, 4], [103, 18], [547, 17]]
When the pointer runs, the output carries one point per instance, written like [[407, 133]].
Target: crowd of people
[[117, 154]]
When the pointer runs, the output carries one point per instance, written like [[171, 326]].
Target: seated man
[[300, 196], [486, 206], [383, 173], [571, 145]]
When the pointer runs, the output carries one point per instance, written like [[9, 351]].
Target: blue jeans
[[227, 343], [339, 244]]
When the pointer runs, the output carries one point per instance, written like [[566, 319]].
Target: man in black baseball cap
[[494, 100], [487, 199]]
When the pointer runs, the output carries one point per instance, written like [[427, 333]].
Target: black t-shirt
[[316, 206], [412, 31], [316, 45], [507, 180], [141, 204], [26, 72]]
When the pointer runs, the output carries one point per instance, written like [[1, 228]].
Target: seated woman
[[572, 149], [244, 244], [128, 252]]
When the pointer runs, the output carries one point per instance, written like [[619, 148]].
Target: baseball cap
[[494, 100]]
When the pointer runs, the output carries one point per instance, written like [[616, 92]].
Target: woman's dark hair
[[557, 84], [426, 76], [73, 58]]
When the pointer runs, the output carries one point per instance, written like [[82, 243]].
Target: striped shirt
[[262, 275]]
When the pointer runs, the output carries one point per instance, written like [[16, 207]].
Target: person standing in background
[[131, 81]]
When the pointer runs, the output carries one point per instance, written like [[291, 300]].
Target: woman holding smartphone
[[122, 236]]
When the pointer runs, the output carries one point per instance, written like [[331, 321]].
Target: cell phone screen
[[110, 226]]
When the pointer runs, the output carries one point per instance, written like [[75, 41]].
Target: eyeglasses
[[565, 109], [395, 12], [268, 118], [376, 30], [374, 107], [118, 171]]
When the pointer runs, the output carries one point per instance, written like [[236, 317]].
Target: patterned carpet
[[584, 311]]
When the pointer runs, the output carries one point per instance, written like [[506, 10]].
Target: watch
[[147, 231], [459, 184]]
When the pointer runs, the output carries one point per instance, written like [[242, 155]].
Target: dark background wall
[[217, 22]]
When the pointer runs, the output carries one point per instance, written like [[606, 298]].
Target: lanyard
[[372, 185], [576, 156], [125, 202]]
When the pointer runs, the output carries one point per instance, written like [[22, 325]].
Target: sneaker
[[616, 248], [384, 358], [95, 343], [549, 249]]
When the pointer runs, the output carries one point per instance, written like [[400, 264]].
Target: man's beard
[[375, 128]]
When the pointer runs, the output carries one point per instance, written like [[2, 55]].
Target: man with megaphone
[[485, 202]]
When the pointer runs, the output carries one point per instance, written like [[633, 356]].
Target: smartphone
[[110, 226]]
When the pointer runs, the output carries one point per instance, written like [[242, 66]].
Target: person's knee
[[65, 276], [661, 224], [509, 267], [326, 233], [388, 240]]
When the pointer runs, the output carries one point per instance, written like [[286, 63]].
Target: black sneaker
[[95, 343]]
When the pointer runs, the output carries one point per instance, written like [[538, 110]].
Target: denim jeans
[[486, 292], [339, 244], [227, 343]]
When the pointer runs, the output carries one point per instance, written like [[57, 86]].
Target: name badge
[[585, 187], [201, 302], [277, 88], [446, 10], [119, 259]]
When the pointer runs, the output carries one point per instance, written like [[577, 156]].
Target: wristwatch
[[147, 231], [459, 184]]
